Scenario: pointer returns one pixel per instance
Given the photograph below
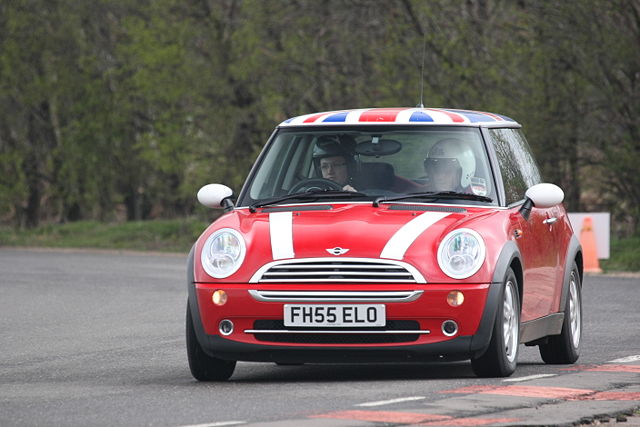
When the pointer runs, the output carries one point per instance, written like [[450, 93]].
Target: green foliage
[[114, 109], [625, 255]]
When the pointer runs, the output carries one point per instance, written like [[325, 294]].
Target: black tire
[[565, 348], [204, 367], [501, 358]]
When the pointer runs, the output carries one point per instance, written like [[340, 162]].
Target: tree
[[116, 108]]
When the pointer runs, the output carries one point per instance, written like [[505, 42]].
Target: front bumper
[[427, 312], [454, 349]]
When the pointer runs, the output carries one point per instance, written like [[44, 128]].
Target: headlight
[[461, 253], [223, 253]]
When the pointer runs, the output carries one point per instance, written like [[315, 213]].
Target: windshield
[[372, 162]]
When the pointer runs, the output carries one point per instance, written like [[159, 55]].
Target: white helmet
[[459, 153]]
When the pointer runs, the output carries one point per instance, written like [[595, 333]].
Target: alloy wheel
[[510, 322]]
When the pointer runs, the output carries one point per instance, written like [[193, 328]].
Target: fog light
[[455, 298], [449, 328], [226, 327], [219, 297]]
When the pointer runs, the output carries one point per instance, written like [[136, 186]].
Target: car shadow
[[245, 373], [254, 373], [268, 372]]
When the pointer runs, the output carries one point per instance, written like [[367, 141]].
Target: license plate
[[341, 315]]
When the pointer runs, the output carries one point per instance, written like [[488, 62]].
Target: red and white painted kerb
[[539, 395]]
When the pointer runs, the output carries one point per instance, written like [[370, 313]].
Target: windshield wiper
[[306, 195], [433, 195]]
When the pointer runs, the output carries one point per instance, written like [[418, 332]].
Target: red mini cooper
[[386, 234]]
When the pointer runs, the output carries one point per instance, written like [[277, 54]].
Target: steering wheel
[[315, 184]]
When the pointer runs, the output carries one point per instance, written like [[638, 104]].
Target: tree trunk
[[32, 209]]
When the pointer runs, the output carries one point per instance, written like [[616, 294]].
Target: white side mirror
[[212, 195], [545, 195]]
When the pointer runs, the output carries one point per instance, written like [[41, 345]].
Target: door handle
[[550, 221]]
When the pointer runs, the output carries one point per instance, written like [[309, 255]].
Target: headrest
[[378, 175]]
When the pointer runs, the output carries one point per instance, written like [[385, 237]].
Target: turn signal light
[[219, 297], [455, 298]]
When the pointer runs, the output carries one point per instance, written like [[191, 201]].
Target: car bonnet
[[398, 232]]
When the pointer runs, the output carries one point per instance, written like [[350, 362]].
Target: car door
[[538, 247], [534, 236]]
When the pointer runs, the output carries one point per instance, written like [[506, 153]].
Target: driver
[[449, 165], [333, 161]]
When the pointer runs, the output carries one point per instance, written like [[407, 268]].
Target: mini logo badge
[[337, 251]]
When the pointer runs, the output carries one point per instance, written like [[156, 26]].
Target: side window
[[517, 166], [283, 165]]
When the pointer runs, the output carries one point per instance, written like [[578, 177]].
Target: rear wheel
[[204, 367], [500, 359], [565, 348]]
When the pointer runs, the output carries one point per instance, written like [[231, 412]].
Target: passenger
[[449, 165]]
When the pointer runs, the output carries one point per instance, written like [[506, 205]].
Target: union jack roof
[[408, 116]]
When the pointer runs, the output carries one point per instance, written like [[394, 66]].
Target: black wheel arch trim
[[574, 254], [201, 336], [481, 339]]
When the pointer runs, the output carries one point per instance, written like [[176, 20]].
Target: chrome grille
[[395, 331], [343, 270], [334, 296]]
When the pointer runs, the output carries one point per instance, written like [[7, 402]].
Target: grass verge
[[625, 255], [158, 235]]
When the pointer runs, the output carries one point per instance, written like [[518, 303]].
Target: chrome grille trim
[[332, 331], [327, 273], [297, 280], [337, 270], [335, 296], [363, 265]]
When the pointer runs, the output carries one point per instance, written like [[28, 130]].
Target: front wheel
[[565, 348], [500, 359], [204, 367]]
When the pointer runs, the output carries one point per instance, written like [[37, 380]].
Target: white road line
[[627, 359], [218, 424], [530, 377], [389, 402]]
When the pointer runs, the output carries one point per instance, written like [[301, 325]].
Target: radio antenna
[[424, 44]]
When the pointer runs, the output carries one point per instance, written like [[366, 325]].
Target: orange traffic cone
[[588, 242]]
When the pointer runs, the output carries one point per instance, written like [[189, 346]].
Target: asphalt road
[[91, 338]]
